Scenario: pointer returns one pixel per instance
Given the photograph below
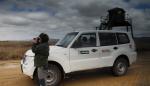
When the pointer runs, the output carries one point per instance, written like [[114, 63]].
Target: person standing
[[41, 49]]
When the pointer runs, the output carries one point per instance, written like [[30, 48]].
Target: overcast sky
[[25, 19]]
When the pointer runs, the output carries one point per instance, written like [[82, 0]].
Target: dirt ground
[[138, 75]]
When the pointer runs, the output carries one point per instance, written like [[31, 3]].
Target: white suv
[[85, 50]]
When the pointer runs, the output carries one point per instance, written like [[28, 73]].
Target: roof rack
[[116, 17]]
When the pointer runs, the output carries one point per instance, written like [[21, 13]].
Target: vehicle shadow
[[89, 75], [99, 77]]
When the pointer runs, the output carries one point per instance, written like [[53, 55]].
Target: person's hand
[[35, 40]]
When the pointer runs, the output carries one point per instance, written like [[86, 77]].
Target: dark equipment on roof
[[116, 18]]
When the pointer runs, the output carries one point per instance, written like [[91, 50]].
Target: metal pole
[[132, 31], [127, 29]]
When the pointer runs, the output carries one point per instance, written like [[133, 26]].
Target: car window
[[67, 39], [87, 40], [122, 38], [107, 39]]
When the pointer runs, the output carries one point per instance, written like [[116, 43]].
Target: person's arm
[[34, 48], [40, 48], [35, 45]]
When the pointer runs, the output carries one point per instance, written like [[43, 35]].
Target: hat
[[44, 37]]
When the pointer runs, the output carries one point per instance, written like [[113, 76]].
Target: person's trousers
[[42, 73]]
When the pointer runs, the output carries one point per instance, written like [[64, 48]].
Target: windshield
[[67, 39]]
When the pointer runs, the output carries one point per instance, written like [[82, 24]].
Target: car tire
[[54, 75], [120, 67]]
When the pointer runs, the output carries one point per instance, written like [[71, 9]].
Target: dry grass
[[138, 75], [13, 49]]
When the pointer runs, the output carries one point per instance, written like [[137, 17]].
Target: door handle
[[84, 52], [94, 50], [115, 48]]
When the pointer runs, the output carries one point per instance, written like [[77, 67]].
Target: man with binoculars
[[41, 49]]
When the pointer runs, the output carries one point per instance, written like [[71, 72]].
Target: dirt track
[[138, 75]]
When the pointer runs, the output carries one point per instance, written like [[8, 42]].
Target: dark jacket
[[41, 54]]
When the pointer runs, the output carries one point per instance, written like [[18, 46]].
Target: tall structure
[[116, 18]]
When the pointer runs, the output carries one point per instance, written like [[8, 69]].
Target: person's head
[[43, 38]]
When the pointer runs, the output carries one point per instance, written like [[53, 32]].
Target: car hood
[[29, 53], [56, 51]]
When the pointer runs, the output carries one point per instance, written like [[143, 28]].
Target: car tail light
[[132, 47]]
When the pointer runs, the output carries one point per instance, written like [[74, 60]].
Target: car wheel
[[54, 75], [120, 67]]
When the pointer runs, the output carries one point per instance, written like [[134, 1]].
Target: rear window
[[122, 38], [107, 39]]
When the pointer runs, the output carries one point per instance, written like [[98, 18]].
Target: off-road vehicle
[[85, 50]]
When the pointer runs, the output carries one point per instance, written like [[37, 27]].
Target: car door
[[108, 46], [85, 55], [124, 42]]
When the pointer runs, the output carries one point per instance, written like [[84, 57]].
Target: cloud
[[37, 16], [23, 19], [15, 20], [136, 2]]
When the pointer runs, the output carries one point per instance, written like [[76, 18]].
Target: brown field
[[138, 75], [13, 50], [11, 75]]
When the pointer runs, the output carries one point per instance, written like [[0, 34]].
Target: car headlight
[[24, 58]]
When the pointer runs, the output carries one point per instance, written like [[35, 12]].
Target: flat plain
[[138, 75], [11, 75]]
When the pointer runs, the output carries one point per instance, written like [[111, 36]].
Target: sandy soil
[[138, 75]]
